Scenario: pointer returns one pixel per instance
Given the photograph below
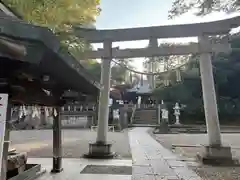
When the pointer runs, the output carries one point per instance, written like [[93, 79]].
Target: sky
[[144, 13]]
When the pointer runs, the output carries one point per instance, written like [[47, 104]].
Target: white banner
[[3, 114]]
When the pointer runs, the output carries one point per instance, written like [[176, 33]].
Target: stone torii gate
[[215, 150]]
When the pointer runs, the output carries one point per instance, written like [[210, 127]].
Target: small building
[[34, 70], [140, 91]]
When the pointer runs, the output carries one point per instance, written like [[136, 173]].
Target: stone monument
[[164, 120], [176, 109]]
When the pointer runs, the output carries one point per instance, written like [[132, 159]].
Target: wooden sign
[[3, 114]]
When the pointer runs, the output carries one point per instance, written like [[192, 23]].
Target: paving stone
[[175, 163], [144, 162], [195, 178], [142, 170], [186, 174], [192, 164], [161, 168], [106, 169], [171, 157], [165, 165], [166, 178], [143, 177]]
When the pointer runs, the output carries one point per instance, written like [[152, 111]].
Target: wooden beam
[[17, 50], [170, 31], [22, 91], [37, 97], [158, 51]]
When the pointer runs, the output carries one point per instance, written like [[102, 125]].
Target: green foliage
[[118, 72], [59, 16], [226, 69], [203, 7]]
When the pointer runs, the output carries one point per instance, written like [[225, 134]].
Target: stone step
[[145, 113], [144, 122], [145, 117], [143, 125]]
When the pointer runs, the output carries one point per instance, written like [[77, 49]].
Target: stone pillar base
[[218, 156], [163, 128], [100, 150], [57, 165]]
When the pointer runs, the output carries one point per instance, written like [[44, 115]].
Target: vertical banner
[[3, 114]]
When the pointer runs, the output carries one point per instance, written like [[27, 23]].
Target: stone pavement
[[38, 143], [151, 161], [73, 167]]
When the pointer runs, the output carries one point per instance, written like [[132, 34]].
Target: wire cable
[[146, 73]]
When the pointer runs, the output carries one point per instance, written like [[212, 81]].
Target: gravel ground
[[38, 143], [206, 172]]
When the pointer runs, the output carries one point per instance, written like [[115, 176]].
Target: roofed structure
[[142, 88], [32, 62], [34, 70]]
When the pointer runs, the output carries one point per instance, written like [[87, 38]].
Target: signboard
[[3, 114]]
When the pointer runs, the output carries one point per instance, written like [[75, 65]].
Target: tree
[[164, 63], [60, 16], [226, 70], [118, 72], [203, 7], [93, 68]]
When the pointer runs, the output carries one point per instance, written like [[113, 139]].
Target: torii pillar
[[101, 149], [215, 152]]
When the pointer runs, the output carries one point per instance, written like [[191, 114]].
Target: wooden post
[[57, 141]]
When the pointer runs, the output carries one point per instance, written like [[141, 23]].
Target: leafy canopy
[[59, 16], [203, 7]]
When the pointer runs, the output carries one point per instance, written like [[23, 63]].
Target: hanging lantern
[[178, 75]]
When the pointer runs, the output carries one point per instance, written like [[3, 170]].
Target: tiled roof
[[141, 89]]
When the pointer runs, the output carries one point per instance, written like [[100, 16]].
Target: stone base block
[[57, 165], [218, 156], [100, 150], [163, 128]]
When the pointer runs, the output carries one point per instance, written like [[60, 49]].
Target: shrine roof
[[141, 88], [31, 57]]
